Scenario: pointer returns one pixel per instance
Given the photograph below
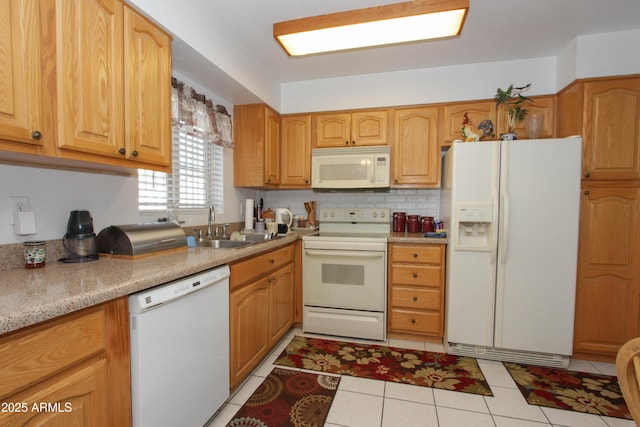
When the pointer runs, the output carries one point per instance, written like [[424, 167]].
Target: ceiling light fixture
[[374, 26]]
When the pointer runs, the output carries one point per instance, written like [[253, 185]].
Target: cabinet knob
[[306, 181], [415, 299], [272, 260], [134, 153], [122, 151], [36, 134], [415, 275], [413, 321], [415, 255], [587, 174], [346, 143], [587, 192], [353, 143]]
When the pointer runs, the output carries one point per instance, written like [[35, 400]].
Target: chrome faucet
[[212, 218]]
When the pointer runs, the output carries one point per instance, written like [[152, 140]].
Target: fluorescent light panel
[[375, 26]]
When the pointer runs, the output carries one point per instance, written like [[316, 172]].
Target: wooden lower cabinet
[[608, 286], [73, 370], [261, 308], [416, 291]]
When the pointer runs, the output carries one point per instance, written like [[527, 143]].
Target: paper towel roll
[[248, 214]]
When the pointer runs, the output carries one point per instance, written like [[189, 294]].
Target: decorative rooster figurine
[[470, 131]]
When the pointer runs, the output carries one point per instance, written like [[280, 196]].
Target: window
[[196, 181], [201, 130]]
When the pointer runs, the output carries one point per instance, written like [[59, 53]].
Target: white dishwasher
[[180, 350]]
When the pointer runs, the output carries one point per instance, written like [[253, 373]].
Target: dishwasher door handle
[[353, 254]]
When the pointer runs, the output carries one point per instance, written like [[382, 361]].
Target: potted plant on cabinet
[[512, 98]]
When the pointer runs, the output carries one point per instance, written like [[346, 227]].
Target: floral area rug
[[570, 390], [437, 370], [288, 398]]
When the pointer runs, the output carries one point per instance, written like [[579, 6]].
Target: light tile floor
[[362, 402]]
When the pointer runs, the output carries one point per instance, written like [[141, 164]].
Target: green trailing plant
[[513, 99]]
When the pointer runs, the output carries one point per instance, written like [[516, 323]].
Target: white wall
[[54, 193], [608, 54], [424, 86]]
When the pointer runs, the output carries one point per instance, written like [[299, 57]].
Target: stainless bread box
[[141, 239]]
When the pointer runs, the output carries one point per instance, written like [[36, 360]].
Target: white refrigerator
[[511, 211]]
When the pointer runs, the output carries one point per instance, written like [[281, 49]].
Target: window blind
[[196, 180]]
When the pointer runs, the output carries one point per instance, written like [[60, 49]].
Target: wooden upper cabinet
[[20, 85], [453, 117], [90, 76], [256, 157], [295, 149], [147, 94], [544, 105], [612, 129], [272, 148], [415, 152], [569, 111], [358, 128]]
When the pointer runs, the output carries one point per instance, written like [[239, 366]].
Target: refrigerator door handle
[[494, 219], [504, 243]]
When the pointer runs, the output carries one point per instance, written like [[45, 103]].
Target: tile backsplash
[[416, 202]]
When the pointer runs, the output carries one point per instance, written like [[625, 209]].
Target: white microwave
[[352, 168]]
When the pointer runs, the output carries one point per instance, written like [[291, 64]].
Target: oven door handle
[[355, 254]]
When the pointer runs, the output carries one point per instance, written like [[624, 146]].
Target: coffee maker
[[80, 241]]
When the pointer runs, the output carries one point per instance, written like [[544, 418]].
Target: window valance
[[198, 116]]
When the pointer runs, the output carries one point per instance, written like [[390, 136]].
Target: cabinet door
[[453, 116], [608, 287], [369, 128], [90, 84], [282, 295], [544, 105], [612, 129], [74, 398], [20, 90], [296, 151], [272, 148], [569, 109], [333, 130], [147, 93], [416, 153], [249, 328]]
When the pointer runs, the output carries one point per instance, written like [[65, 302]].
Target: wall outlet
[[19, 204]]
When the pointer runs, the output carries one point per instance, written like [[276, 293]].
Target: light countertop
[[28, 297]]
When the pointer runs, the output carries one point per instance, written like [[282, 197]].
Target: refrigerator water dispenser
[[474, 226]]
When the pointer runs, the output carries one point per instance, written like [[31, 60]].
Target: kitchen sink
[[224, 244]]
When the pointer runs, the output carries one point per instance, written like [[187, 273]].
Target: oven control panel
[[380, 215]]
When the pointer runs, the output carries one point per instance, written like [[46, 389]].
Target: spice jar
[[399, 221], [413, 223], [34, 254]]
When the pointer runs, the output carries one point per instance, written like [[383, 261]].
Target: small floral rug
[[570, 390], [288, 398], [423, 368]]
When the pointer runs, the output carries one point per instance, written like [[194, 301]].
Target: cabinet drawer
[[249, 269], [419, 299], [421, 254], [415, 322], [28, 357], [416, 275]]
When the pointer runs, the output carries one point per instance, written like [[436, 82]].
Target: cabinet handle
[[415, 255], [587, 192], [134, 153], [413, 321], [415, 275], [272, 260], [122, 151], [587, 174], [346, 143], [271, 279], [415, 299], [306, 181], [353, 143], [36, 134]]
